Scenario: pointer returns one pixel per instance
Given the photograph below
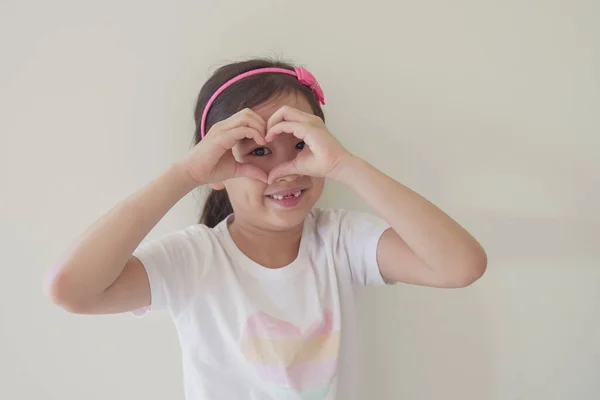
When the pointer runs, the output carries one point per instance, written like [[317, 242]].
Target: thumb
[[283, 169], [250, 171]]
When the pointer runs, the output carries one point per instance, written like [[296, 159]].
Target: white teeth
[[279, 197]]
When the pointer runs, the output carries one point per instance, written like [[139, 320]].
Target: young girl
[[263, 291]]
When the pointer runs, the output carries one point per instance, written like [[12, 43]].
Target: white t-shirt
[[249, 332]]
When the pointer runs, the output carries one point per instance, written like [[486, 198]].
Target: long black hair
[[250, 92]]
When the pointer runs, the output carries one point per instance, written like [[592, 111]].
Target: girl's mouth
[[289, 199]]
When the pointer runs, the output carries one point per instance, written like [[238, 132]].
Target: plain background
[[491, 109]]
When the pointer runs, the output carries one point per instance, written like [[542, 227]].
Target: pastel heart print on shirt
[[301, 363]]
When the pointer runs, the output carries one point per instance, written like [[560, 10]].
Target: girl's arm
[[425, 246], [99, 273]]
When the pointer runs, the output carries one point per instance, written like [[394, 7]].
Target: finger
[[287, 113], [229, 138], [283, 169], [250, 171], [295, 128], [245, 117]]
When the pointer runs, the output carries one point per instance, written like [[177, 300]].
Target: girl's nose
[[288, 178]]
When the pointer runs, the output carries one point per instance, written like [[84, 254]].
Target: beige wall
[[491, 109]]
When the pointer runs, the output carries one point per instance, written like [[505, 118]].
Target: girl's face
[[285, 203]]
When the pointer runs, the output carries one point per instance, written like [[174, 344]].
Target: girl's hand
[[211, 160], [323, 153]]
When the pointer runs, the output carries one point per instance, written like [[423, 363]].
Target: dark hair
[[247, 93]]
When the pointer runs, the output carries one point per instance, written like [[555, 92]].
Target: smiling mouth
[[290, 195]]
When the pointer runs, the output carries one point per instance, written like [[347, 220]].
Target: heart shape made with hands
[[321, 153]]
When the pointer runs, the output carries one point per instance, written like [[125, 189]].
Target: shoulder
[[330, 224], [195, 240], [325, 219], [340, 226], [326, 216], [192, 234]]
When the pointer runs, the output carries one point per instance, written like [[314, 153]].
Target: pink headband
[[303, 75]]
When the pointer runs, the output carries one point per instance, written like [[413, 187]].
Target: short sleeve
[[359, 237], [175, 265]]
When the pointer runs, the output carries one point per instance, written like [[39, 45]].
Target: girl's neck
[[271, 249]]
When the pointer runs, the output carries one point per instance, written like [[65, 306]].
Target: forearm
[[433, 236], [98, 257]]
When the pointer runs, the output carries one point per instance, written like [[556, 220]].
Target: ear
[[217, 186]]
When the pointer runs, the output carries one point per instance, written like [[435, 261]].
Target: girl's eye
[[260, 152], [300, 146]]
